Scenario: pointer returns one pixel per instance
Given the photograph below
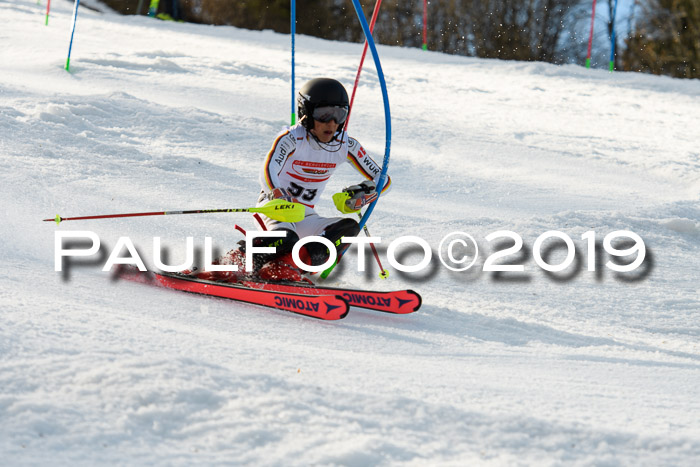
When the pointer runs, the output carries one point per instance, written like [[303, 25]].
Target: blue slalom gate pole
[[72, 33], [294, 30], [387, 111], [387, 120], [612, 38]]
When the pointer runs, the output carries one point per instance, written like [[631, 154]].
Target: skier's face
[[324, 131]]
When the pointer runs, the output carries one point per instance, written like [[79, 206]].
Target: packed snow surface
[[575, 367]]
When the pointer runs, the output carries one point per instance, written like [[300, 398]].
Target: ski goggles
[[328, 113]]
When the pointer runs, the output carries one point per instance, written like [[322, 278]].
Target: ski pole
[[277, 209], [383, 273]]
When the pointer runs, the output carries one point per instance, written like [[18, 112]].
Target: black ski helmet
[[319, 92]]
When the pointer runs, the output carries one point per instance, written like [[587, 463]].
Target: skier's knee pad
[[343, 228], [334, 232], [283, 245]]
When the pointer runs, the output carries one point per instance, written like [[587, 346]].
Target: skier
[[297, 168]]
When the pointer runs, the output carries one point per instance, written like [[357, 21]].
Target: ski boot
[[235, 256], [283, 269]]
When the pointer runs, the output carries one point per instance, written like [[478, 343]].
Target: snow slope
[[593, 368]]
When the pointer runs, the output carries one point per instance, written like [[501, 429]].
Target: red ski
[[397, 301], [325, 306]]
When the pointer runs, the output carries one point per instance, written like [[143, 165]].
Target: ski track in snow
[[590, 369]]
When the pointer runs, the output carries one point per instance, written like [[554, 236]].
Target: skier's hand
[[367, 187], [354, 197], [282, 193]]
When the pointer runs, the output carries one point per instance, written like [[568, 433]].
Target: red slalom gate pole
[[383, 272], [590, 38], [48, 9], [375, 13]]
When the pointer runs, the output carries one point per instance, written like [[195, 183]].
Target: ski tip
[[347, 307], [337, 307], [420, 299]]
